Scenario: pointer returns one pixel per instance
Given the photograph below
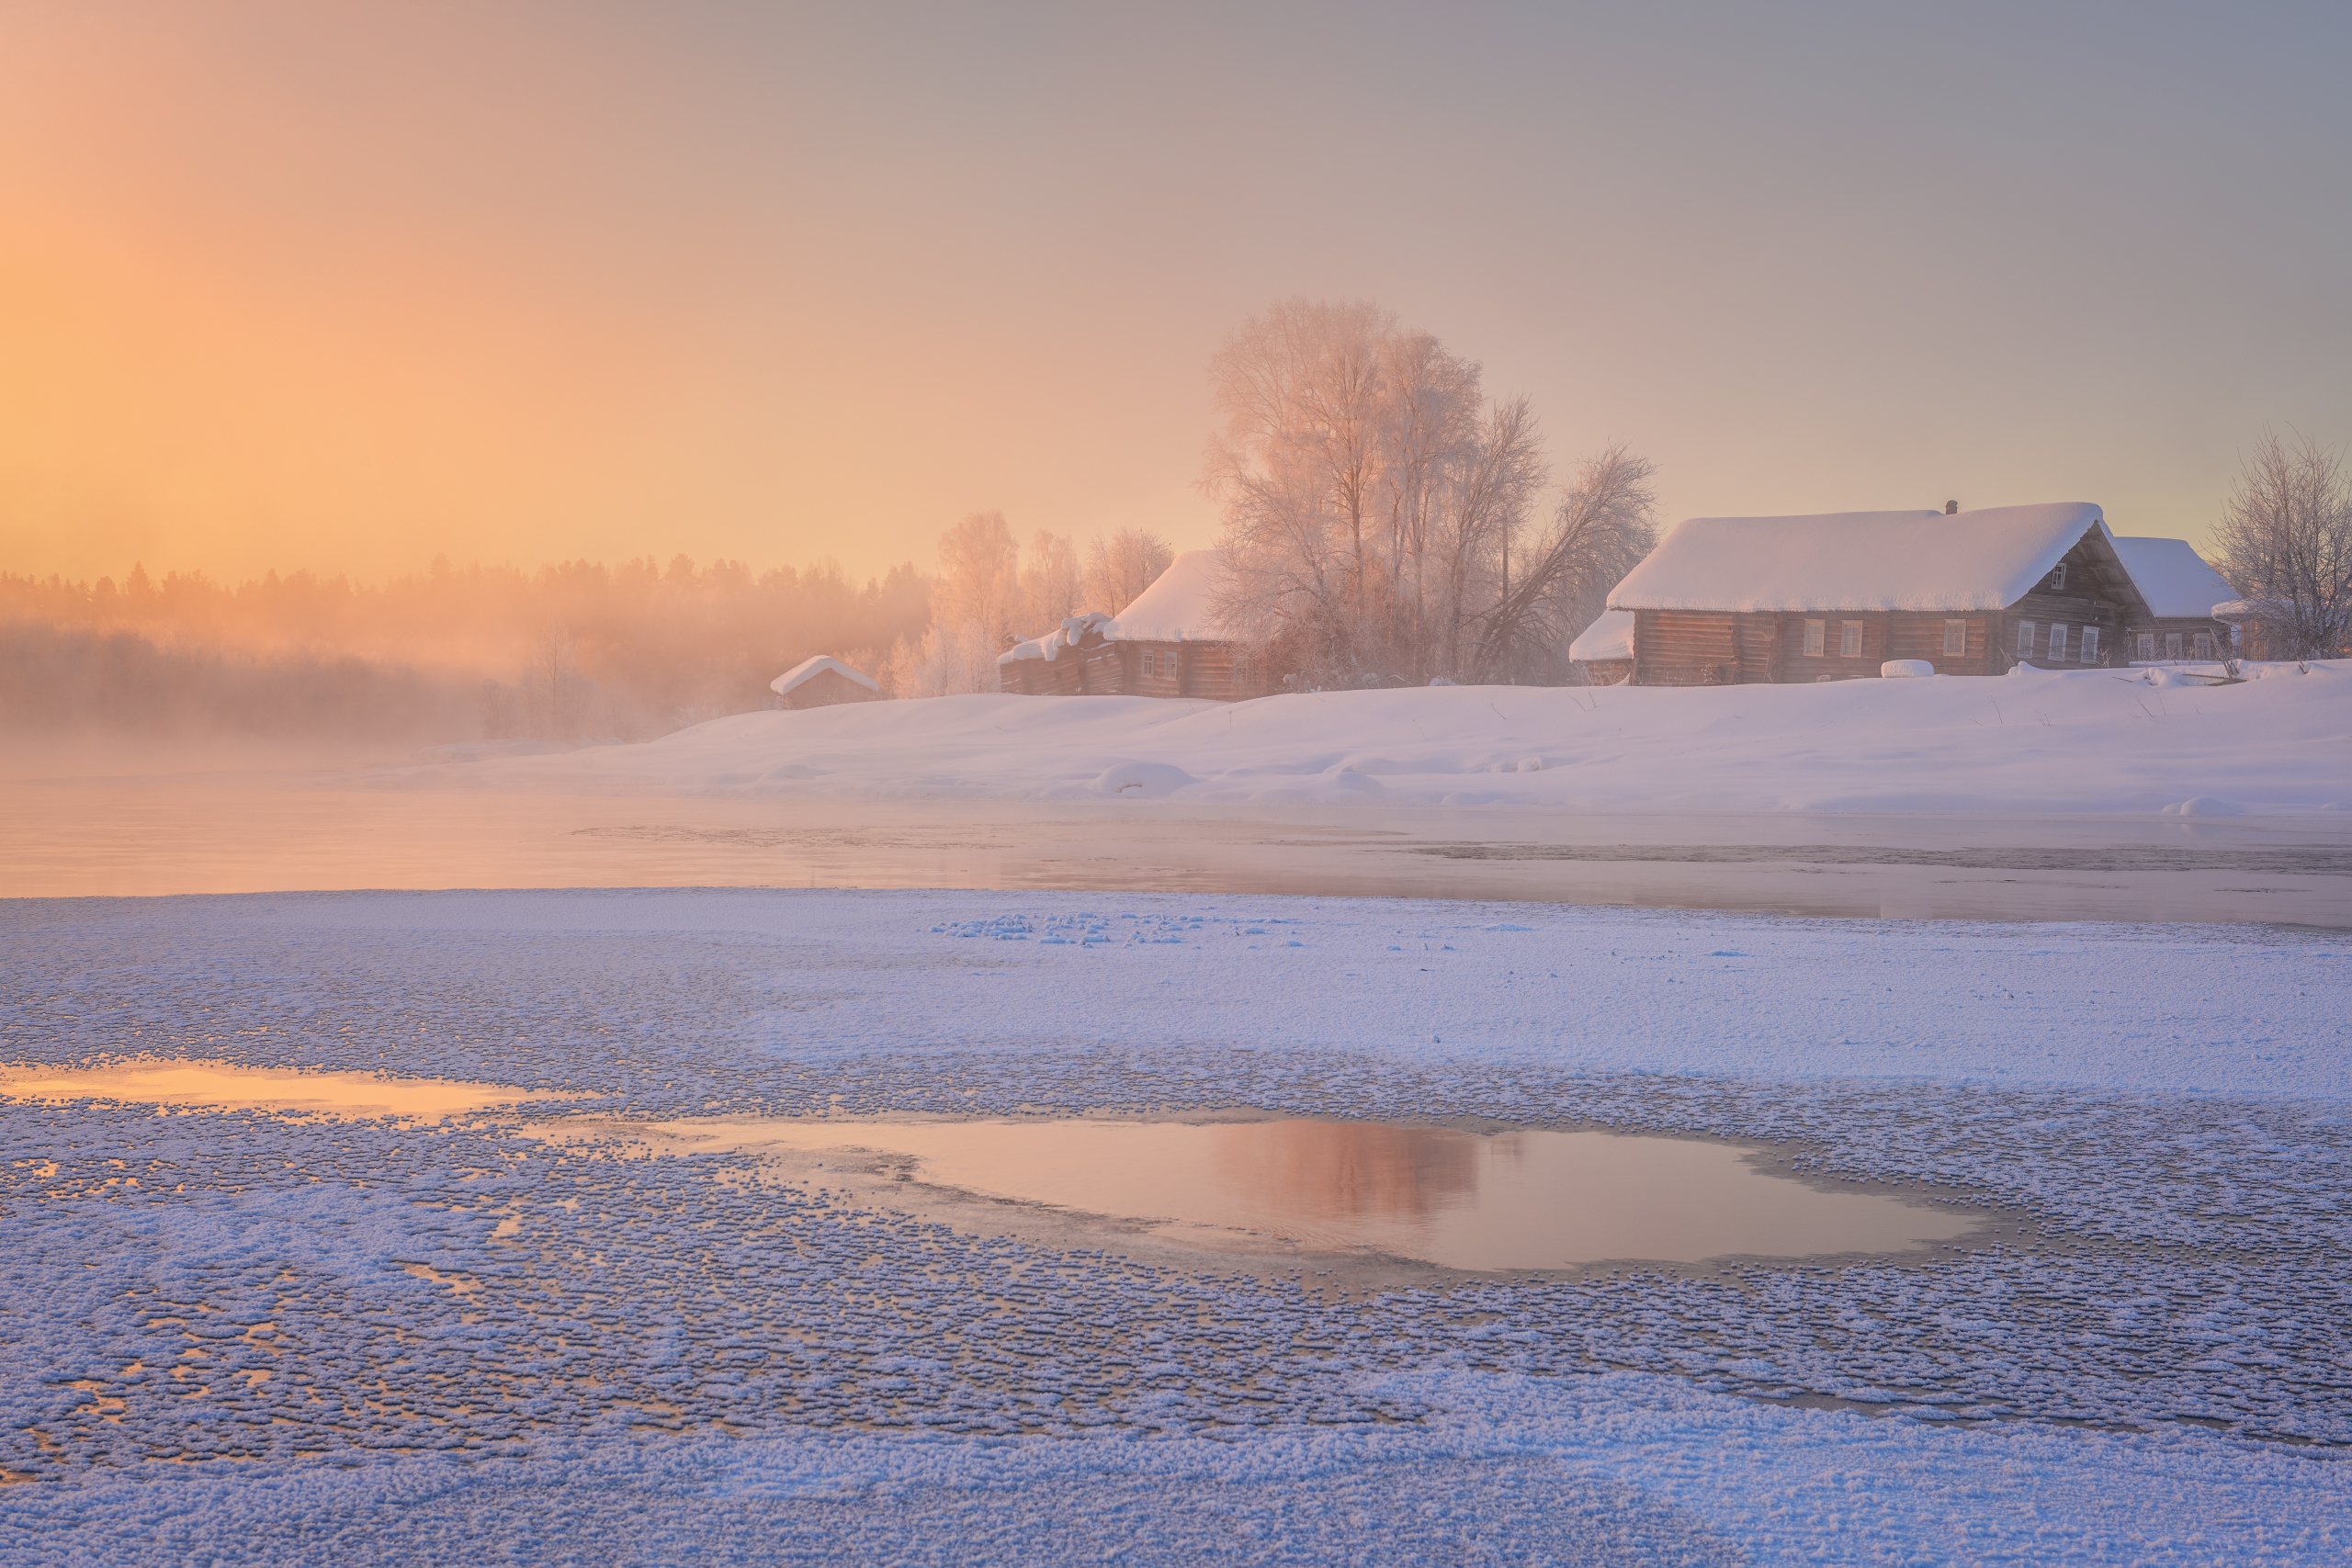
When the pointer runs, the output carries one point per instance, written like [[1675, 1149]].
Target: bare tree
[[1603, 527], [1120, 568], [2285, 538]]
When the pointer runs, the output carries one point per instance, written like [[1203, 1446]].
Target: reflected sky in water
[[1522, 1199]]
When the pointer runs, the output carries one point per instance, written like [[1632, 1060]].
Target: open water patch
[[1482, 1202], [224, 1086]]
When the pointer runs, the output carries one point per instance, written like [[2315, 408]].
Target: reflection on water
[[218, 1085], [1525, 1199]]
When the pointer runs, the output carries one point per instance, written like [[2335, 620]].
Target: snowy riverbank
[[2033, 741], [394, 1342]]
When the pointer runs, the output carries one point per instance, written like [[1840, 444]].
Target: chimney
[[1950, 507]]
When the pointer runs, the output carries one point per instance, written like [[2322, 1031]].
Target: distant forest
[[579, 651]]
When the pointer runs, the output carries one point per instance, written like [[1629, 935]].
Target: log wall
[[1674, 648], [1220, 672]]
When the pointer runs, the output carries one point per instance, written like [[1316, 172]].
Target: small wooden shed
[[1604, 651], [1726, 601], [2181, 591], [1169, 643], [822, 681]]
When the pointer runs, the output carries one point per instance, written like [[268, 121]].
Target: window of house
[[2172, 645], [2204, 645], [1817, 638], [1168, 664], [1955, 636], [2058, 577], [2147, 645], [1849, 639], [1150, 661], [2057, 640], [2090, 654], [2025, 640]]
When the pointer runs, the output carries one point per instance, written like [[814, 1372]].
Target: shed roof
[[1984, 560], [1609, 637], [2173, 578], [1178, 606], [808, 669]]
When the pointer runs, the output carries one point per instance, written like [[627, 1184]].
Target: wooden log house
[[1168, 643], [1727, 601], [2181, 591]]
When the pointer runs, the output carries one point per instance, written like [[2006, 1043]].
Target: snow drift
[[2092, 741]]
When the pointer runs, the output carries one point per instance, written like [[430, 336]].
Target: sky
[[344, 286]]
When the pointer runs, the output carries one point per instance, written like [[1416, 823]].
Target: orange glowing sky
[[345, 286]]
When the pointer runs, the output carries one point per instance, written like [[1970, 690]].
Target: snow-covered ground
[[369, 1341], [2033, 741]]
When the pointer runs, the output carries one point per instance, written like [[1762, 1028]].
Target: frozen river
[[215, 833], [695, 1315], [1188, 1183]]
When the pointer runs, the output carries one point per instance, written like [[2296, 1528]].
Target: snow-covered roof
[[2173, 578], [1177, 606], [1611, 636], [1049, 646], [1986, 559], [808, 669]]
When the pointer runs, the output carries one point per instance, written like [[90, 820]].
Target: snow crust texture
[[357, 1338], [2033, 741]]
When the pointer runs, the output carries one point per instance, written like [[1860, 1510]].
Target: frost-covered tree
[[977, 608], [1050, 583], [1120, 568], [2285, 538], [1377, 505]]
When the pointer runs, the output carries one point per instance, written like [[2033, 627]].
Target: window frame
[[2147, 644], [2172, 648], [1816, 639], [1956, 629], [2027, 631], [2203, 643], [1849, 639], [2087, 646], [2056, 644]]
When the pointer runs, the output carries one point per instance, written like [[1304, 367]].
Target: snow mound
[[1907, 669], [2034, 741], [1143, 781]]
